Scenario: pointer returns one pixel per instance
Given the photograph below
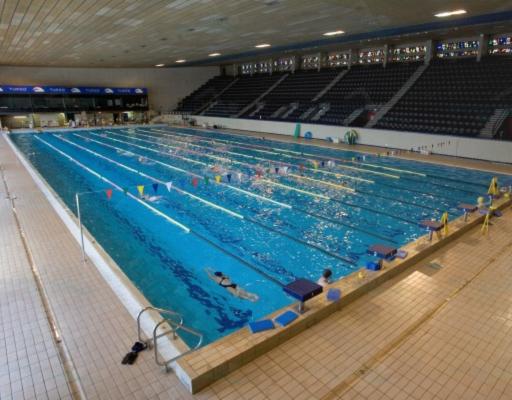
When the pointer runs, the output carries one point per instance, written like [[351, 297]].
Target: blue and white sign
[[14, 89]]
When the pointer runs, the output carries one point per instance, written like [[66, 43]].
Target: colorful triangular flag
[[229, 177], [140, 188], [206, 180], [109, 193], [218, 178], [155, 187], [125, 190], [168, 185], [195, 181]]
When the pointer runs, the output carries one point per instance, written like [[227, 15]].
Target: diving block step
[[302, 290], [382, 251]]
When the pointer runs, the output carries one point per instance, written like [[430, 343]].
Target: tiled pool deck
[[431, 332]]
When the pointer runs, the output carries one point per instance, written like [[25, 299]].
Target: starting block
[[432, 226], [467, 208]]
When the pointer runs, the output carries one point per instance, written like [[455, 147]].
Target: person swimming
[[151, 199], [225, 282]]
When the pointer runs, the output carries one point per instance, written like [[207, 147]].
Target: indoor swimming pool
[[173, 205]]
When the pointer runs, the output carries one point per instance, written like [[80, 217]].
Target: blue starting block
[[303, 290], [467, 208], [382, 251], [432, 226]]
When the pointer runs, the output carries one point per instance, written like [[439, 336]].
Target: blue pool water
[[262, 231]]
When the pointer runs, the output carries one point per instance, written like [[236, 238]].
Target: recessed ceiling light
[[261, 46], [160, 65], [181, 61], [334, 33], [445, 14], [214, 55]]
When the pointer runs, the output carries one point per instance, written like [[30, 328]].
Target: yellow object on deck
[[485, 225], [444, 221], [493, 187]]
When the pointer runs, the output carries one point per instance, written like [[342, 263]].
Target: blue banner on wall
[[105, 91]]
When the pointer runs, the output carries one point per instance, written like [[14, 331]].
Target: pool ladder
[[174, 323]]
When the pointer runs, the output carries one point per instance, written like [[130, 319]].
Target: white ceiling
[[129, 33]]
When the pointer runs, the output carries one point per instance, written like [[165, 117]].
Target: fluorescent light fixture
[[262, 45], [214, 55], [160, 65], [181, 61], [445, 14], [20, 116], [334, 33]]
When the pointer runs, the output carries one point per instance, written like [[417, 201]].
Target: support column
[[483, 41], [429, 51], [351, 59], [386, 55]]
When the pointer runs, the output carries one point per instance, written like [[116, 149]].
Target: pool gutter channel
[[212, 362], [130, 297]]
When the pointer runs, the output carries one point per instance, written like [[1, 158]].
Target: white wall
[[482, 149], [166, 85]]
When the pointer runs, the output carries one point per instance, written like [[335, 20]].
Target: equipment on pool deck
[[333, 294], [260, 326], [303, 290], [382, 251], [444, 220], [374, 265], [493, 187], [296, 134], [467, 208], [485, 225], [432, 226], [286, 318]]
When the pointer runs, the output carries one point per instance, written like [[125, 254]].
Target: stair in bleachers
[[262, 96], [494, 123], [456, 97], [241, 94], [300, 87], [363, 85], [398, 95], [336, 79], [201, 97]]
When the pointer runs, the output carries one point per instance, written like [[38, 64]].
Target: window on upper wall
[[263, 66], [338, 59], [371, 56], [246, 69], [500, 45], [408, 53], [284, 64], [457, 49], [310, 61]]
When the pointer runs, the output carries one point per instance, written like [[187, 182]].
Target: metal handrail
[[174, 328], [161, 311]]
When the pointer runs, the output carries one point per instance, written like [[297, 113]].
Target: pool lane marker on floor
[[119, 188], [157, 143], [184, 192], [300, 241], [284, 205]]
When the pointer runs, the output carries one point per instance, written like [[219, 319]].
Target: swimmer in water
[[151, 199], [225, 282]]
